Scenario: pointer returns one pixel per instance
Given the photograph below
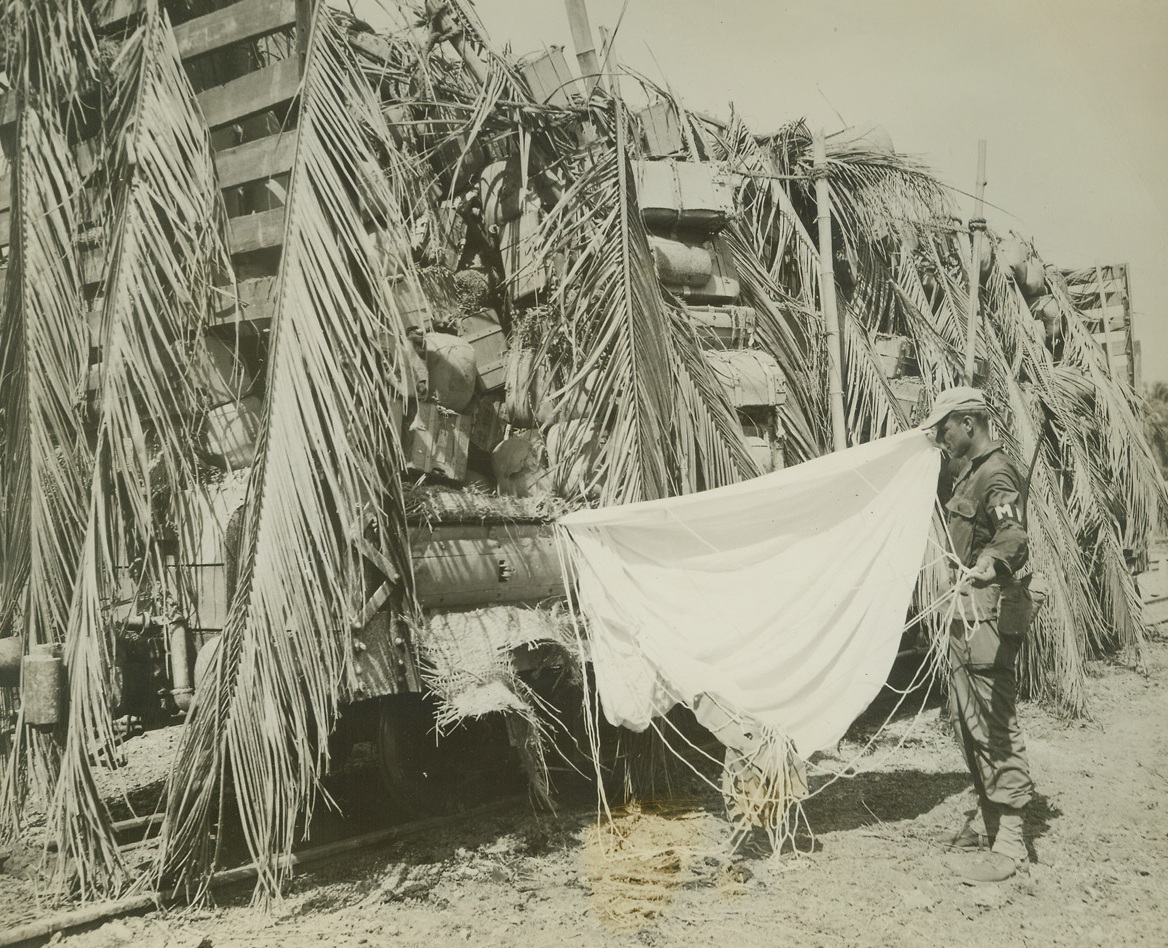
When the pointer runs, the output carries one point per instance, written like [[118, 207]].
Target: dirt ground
[[1098, 832]]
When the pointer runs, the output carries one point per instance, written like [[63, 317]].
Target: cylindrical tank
[[681, 264], [180, 664], [43, 693]]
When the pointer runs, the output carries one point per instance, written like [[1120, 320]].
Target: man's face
[[953, 434]]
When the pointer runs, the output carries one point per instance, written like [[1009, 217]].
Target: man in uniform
[[992, 615]]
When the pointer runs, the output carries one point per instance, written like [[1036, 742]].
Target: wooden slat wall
[[256, 92], [256, 302], [246, 233], [244, 20], [253, 93]]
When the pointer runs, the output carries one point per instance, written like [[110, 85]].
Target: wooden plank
[[243, 20], [251, 232], [248, 162], [256, 302], [255, 160], [255, 92], [382, 665], [257, 231]]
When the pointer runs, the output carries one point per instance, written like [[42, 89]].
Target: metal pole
[[977, 229], [585, 45], [835, 384]]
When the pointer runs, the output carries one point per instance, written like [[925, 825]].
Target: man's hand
[[984, 570]]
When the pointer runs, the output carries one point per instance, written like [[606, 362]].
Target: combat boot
[[971, 836], [1008, 856]]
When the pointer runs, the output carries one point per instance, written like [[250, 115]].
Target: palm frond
[[648, 387], [326, 471], [44, 348], [164, 249], [792, 333], [49, 50], [770, 224], [872, 409], [877, 196]]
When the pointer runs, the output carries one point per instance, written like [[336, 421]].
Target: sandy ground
[[1098, 832]]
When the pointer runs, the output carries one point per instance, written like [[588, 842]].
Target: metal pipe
[[180, 663]]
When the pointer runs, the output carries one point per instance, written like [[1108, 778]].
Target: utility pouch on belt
[[1016, 609]]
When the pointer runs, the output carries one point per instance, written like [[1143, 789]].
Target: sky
[[1070, 96]]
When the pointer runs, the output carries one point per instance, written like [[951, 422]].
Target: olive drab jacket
[[985, 515], [985, 512]]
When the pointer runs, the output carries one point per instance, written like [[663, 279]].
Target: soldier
[[993, 612]]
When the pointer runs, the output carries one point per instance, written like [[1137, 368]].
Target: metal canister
[[43, 691], [11, 654]]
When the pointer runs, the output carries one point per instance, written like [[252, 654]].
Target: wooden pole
[[608, 62], [835, 383], [585, 45], [44, 928], [977, 229]]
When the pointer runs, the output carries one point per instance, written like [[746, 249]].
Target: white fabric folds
[[784, 596]]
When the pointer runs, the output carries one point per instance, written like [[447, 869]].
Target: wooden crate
[[689, 194], [724, 327], [548, 76], [525, 271], [763, 442], [489, 342], [438, 442], [486, 424], [896, 354], [909, 393], [660, 129]]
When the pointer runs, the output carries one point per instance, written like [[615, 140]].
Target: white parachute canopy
[[784, 596]]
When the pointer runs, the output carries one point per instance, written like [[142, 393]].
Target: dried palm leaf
[[164, 251], [624, 365], [44, 347], [326, 471]]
